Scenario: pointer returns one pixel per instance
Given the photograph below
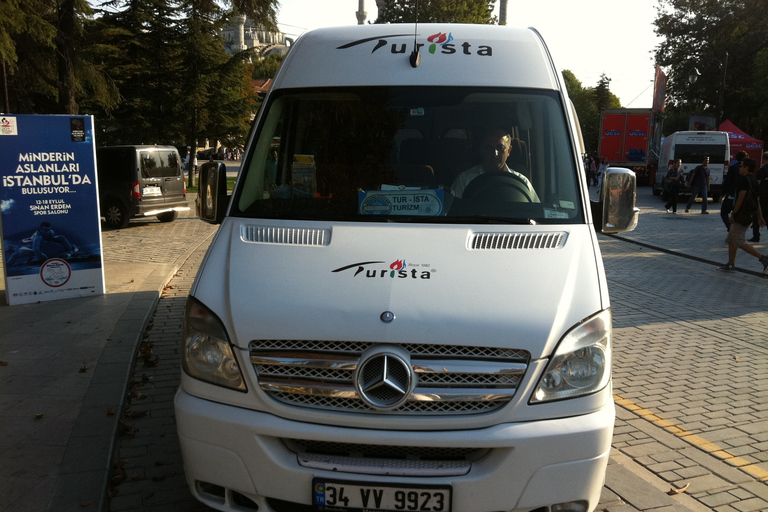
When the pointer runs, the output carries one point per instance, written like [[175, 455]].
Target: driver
[[495, 148]]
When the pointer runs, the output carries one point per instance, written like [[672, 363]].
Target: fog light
[[570, 506]]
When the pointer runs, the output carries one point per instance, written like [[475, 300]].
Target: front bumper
[[528, 465]]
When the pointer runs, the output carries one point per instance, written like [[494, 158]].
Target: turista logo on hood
[[440, 43], [397, 269]]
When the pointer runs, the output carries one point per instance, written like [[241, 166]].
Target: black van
[[139, 181]]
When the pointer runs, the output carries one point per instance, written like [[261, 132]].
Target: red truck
[[631, 138]]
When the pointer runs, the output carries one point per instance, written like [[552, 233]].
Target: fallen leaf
[[681, 490], [86, 503], [111, 411], [136, 414], [3, 363], [736, 358], [82, 369], [131, 280], [38, 416]]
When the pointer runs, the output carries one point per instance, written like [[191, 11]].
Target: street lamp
[[694, 74]]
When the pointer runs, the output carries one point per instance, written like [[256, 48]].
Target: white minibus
[[405, 306]]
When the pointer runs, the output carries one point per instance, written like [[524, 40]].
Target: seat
[[414, 152], [451, 156]]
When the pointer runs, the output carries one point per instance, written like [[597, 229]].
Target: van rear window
[[412, 154], [159, 164], [695, 153]]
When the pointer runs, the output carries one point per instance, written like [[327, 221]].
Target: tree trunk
[[64, 56]]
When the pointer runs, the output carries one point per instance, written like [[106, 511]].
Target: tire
[[167, 216], [116, 214]]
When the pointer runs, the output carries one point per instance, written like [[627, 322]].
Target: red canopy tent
[[740, 141]]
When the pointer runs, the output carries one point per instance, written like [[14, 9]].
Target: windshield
[[411, 154]]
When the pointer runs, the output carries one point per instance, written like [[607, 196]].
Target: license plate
[[340, 496], [151, 191]]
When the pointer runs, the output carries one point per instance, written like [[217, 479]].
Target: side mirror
[[616, 212], [212, 198]]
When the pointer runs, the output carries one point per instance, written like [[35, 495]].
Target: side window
[[114, 164]]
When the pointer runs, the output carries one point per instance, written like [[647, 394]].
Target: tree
[[141, 45], [47, 57], [267, 67], [437, 11], [589, 102], [700, 33], [604, 98], [206, 74]]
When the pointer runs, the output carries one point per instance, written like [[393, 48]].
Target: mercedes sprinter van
[[405, 306]]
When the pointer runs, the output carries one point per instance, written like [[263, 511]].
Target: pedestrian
[[762, 181], [729, 189], [743, 211], [593, 170], [674, 175], [588, 169], [698, 182], [601, 172]]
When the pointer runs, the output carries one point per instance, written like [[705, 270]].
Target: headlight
[[207, 352], [581, 364]]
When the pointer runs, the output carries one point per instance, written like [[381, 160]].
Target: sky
[[588, 37]]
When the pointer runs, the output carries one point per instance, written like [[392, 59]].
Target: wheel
[[167, 216], [116, 214], [498, 186]]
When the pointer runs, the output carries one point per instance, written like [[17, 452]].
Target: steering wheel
[[498, 186]]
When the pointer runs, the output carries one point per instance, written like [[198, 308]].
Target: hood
[[335, 282]]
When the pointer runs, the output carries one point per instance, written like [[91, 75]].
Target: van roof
[[451, 54]]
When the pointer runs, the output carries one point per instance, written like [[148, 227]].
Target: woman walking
[[674, 175]]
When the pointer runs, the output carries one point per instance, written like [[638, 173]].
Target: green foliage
[[438, 11], [588, 102], [725, 41], [21, 22], [49, 58], [141, 45], [268, 66]]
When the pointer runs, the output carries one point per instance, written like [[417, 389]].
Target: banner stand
[[49, 208]]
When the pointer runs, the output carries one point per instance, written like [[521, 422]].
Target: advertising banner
[[49, 208]]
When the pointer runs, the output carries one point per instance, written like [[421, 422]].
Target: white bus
[[691, 148]]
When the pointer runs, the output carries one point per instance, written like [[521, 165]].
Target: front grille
[[409, 461], [374, 451], [450, 379]]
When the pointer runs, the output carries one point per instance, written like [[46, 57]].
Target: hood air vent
[[553, 240], [291, 236]]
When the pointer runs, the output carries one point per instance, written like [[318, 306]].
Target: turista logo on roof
[[439, 43], [397, 269]]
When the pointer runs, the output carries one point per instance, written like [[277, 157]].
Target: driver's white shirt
[[463, 179]]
